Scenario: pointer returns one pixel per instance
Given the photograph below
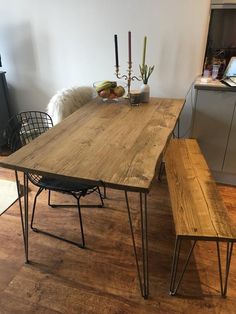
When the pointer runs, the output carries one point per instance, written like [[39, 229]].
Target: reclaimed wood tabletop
[[103, 143]]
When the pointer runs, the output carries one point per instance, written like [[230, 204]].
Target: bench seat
[[198, 209]]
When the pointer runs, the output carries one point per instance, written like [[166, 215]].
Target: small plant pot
[[145, 92]]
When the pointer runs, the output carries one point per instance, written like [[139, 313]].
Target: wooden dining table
[[115, 145]]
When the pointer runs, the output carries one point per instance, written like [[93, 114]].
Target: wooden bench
[[198, 210]]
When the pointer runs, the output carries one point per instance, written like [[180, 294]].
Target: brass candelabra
[[129, 78]]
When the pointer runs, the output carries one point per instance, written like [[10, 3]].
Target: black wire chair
[[22, 129]]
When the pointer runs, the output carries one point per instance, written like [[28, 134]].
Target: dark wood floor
[[62, 278]]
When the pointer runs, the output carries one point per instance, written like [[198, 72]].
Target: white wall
[[50, 44]]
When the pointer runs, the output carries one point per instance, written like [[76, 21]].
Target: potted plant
[[145, 72]]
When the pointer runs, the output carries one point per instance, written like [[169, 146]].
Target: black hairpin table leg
[[24, 215], [143, 275]]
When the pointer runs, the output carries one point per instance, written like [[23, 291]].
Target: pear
[[119, 91]]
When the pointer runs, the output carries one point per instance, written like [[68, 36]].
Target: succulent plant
[[145, 72]]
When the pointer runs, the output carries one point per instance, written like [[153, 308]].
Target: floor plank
[[62, 278]]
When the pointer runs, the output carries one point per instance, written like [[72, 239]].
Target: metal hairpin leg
[[20, 205], [26, 210], [143, 278], [174, 287], [24, 218], [223, 287]]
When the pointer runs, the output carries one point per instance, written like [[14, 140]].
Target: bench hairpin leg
[[175, 264], [228, 261], [143, 209], [229, 251], [174, 287]]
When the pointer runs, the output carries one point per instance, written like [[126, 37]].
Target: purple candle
[[116, 51], [129, 46]]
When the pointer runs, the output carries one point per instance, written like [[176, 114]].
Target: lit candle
[[129, 46], [116, 51], [144, 50]]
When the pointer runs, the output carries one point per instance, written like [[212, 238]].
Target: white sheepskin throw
[[66, 101]]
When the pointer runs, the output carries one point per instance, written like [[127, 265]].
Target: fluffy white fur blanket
[[66, 101]]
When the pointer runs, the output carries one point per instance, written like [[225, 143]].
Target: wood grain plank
[[198, 208], [116, 144]]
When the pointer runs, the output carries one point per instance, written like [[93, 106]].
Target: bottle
[[215, 71]]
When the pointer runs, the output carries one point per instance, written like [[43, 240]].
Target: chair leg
[[223, 287], [49, 198], [97, 190], [55, 205], [100, 194], [53, 235], [34, 206], [81, 222], [104, 191]]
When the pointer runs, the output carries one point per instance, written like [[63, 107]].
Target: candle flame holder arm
[[127, 77]]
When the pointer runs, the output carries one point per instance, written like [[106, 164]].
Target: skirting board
[[225, 178]]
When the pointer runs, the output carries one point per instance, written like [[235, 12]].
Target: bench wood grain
[[198, 209]]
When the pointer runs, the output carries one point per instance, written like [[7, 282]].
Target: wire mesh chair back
[[23, 128]]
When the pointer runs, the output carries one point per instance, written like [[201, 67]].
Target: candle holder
[[129, 78]]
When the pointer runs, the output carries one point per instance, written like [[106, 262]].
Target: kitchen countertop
[[216, 85]]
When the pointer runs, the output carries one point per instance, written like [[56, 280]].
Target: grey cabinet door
[[230, 157], [211, 124]]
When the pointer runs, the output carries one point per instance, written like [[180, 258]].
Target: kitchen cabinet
[[214, 126], [230, 155]]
